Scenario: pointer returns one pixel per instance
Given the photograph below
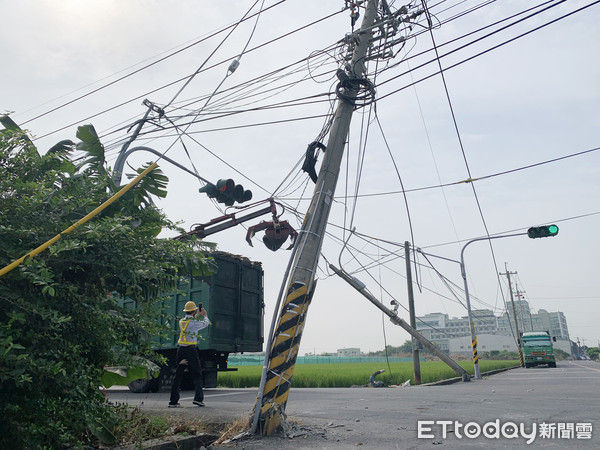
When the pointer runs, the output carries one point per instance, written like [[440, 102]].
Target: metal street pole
[[281, 357], [120, 163], [411, 309], [468, 299]]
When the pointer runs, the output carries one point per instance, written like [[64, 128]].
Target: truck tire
[[552, 365], [527, 365], [210, 378], [143, 386]]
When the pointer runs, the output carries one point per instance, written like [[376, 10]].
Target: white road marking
[[552, 378], [207, 395]]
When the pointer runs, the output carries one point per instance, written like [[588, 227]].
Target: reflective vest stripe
[[183, 337]]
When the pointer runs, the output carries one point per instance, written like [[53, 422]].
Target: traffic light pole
[[533, 233], [285, 340], [468, 299], [120, 163]]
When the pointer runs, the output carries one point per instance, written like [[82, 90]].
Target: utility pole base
[[466, 377], [272, 421]]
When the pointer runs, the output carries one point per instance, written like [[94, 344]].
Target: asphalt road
[[520, 408]]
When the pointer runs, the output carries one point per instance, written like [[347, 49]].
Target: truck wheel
[[143, 386], [210, 379], [527, 365], [552, 365]]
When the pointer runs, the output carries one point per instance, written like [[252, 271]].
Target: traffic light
[[227, 192], [210, 190], [543, 231]]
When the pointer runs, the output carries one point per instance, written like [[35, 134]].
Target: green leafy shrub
[[60, 323]]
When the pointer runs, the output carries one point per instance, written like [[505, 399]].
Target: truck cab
[[537, 349]]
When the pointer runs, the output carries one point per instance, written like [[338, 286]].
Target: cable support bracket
[[307, 269], [154, 107], [308, 232], [289, 307]]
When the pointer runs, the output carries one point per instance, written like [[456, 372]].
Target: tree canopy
[[60, 320]]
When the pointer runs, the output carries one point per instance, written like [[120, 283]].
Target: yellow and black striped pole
[[521, 359], [269, 411], [477, 372], [282, 357], [474, 346]]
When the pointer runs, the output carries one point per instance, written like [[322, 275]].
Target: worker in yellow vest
[[187, 353]]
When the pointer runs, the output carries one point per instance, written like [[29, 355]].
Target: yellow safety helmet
[[190, 306]]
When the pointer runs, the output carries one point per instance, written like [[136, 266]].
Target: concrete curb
[[457, 379], [175, 443]]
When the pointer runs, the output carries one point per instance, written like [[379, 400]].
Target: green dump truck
[[233, 299], [537, 349]]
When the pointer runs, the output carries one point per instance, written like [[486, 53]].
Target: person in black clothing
[[187, 353]]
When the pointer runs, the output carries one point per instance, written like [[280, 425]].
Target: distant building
[[437, 326], [553, 322], [485, 343], [452, 335], [348, 352]]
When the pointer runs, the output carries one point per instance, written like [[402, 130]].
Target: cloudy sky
[[517, 111]]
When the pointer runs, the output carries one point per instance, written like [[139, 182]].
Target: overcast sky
[[522, 104]]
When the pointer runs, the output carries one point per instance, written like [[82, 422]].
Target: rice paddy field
[[356, 374]]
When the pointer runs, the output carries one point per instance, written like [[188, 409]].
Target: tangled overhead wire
[[354, 91]]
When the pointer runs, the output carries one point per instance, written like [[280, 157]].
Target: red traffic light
[[227, 192]]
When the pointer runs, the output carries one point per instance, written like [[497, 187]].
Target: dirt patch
[[234, 433]]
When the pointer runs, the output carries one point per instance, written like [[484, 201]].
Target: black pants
[[189, 353]]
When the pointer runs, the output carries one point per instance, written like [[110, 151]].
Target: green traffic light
[[543, 231]]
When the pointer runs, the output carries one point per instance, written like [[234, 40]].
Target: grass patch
[[347, 375], [135, 426], [233, 430]]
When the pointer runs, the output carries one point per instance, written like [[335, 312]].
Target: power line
[[189, 80], [581, 216], [484, 51], [178, 80], [142, 68], [483, 177], [184, 78]]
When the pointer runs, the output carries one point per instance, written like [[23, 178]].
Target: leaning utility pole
[[396, 320], [512, 301], [285, 341]]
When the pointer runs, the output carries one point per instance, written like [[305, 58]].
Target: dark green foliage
[[593, 353], [405, 348], [60, 325]]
